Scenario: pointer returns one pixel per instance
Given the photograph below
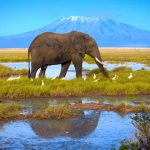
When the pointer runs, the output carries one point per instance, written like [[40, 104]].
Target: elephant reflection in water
[[74, 128]]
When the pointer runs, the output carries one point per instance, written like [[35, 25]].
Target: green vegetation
[[62, 111], [6, 71], [141, 121], [9, 110], [122, 107], [25, 88], [12, 111]]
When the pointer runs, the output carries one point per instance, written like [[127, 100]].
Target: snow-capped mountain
[[107, 32]]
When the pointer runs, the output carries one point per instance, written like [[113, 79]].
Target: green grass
[[25, 88], [122, 107], [119, 108], [6, 71], [62, 111], [9, 110]]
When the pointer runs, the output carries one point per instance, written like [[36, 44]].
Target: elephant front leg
[[77, 61], [64, 69], [42, 72]]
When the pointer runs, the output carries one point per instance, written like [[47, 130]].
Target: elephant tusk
[[100, 61]]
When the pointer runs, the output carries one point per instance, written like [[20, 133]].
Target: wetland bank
[[89, 128]]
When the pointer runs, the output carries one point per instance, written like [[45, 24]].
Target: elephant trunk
[[101, 67], [96, 56]]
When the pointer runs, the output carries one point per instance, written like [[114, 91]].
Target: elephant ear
[[78, 43]]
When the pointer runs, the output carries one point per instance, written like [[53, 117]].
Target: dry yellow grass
[[108, 54], [13, 54], [141, 55]]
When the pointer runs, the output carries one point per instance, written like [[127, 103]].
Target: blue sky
[[17, 16]]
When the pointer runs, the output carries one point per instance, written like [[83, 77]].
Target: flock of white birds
[[84, 78]]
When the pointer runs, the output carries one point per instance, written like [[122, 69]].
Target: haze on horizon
[[22, 16]]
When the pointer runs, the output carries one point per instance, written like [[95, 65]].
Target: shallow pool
[[54, 70], [94, 130]]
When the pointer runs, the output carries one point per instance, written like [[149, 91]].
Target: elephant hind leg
[[34, 69], [42, 72], [64, 69]]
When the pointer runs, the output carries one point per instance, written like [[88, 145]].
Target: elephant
[[78, 127], [51, 48]]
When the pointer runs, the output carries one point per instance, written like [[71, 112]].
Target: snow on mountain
[[107, 32]]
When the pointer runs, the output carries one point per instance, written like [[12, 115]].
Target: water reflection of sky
[[104, 131], [53, 71]]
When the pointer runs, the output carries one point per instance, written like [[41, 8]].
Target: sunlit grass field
[[141, 55], [25, 88], [13, 55], [117, 55]]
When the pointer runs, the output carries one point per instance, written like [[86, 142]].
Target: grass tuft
[[62, 111], [9, 110], [6, 71]]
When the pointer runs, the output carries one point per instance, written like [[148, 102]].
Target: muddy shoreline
[[3, 99], [121, 108]]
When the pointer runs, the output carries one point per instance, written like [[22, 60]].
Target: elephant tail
[[29, 72]]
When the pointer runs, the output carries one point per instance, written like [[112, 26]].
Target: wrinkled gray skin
[[51, 49]]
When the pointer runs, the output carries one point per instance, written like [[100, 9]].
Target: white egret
[[42, 83], [96, 80], [115, 77], [130, 76], [13, 78], [94, 76], [53, 78], [84, 78], [62, 78]]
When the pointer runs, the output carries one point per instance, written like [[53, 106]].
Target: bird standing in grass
[[115, 77], [94, 76], [130, 76], [84, 78], [62, 78], [42, 83], [54, 78], [13, 78], [96, 80]]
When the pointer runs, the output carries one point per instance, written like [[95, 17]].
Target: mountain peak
[[107, 32], [83, 18]]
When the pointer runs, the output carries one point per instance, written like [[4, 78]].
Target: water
[[54, 70], [31, 105], [94, 130]]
